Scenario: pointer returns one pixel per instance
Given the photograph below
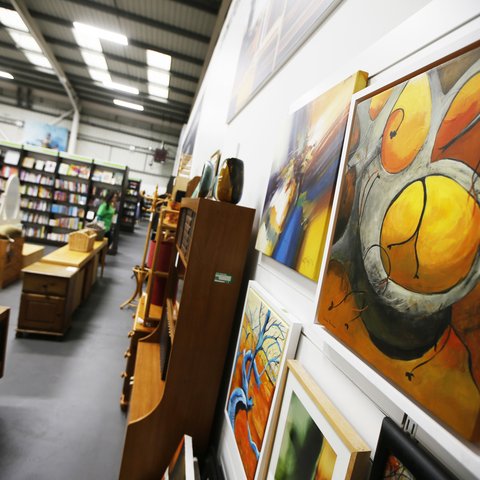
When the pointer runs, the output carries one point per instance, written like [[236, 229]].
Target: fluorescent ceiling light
[[159, 60], [25, 41], [38, 59], [120, 87], [10, 18], [158, 77], [99, 75], [100, 33], [6, 75], [94, 59], [133, 106], [87, 41], [158, 91]]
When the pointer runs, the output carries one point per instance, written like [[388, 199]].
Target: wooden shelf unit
[[190, 356]]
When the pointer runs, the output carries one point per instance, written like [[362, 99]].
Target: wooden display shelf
[[67, 257], [147, 373], [155, 314]]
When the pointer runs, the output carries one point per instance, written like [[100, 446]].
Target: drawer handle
[[124, 375], [127, 354], [131, 333]]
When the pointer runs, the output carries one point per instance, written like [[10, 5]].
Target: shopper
[[105, 214]]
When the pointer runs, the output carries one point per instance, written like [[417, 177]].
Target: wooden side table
[[50, 295]]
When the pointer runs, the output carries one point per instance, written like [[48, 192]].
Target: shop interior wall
[[381, 38], [111, 144]]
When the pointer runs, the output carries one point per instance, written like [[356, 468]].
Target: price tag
[[223, 278]]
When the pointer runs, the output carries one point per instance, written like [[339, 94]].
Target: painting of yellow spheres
[[300, 190], [401, 284]]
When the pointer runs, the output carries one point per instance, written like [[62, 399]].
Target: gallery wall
[[110, 144], [386, 40]]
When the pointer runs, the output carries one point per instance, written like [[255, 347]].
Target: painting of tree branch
[[401, 287], [259, 360]]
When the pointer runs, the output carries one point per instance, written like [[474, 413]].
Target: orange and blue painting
[[300, 190], [401, 286], [259, 357], [304, 451]]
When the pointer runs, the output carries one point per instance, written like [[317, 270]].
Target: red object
[[162, 264]]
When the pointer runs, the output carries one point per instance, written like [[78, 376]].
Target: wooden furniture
[[88, 261], [148, 314], [183, 464], [10, 260], [179, 366], [31, 253], [141, 271], [50, 295], [4, 317]]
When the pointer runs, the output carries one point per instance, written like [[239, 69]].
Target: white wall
[[381, 38], [111, 144]]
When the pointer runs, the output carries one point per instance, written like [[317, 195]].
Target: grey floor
[[59, 398]]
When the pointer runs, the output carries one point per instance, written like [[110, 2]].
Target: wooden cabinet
[[10, 261], [4, 316], [179, 366], [50, 295]]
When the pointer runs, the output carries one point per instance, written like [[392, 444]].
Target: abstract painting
[[398, 457], [300, 190], [266, 340], [313, 440], [275, 30], [401, 284]]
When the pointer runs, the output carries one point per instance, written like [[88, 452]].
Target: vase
[[206, 181], [229, 185]]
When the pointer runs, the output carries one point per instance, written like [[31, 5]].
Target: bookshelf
[[129, 212], [58, 189]]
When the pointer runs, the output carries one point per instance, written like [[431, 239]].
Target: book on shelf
[[50, 166], [28, 162], [12, 157], [39, 164]]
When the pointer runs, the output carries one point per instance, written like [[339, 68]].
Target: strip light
[[133, 106], [10, 18], [120, 87], [6, 75], [25, 41], [89, 30]]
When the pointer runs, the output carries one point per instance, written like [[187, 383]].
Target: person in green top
[[105, 213]]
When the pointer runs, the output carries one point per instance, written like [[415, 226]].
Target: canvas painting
[[266, 339], [399, 457], [300, 190], [313, 440], [44, 135], [401, 285], [275, 30]]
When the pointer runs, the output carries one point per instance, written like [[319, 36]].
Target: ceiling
[[185, 30]]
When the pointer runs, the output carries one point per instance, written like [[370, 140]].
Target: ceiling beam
[[134, 43], [204, 5], [167, 27]]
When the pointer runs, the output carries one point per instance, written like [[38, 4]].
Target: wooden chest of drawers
[[50, 295]]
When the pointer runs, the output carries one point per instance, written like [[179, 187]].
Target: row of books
[[39, 164], [35, 191], [63, 196], [39, 218], [8, 171], [40, 205], [66, 210], [74, 170], [72, 186], [36, 178], [35, 232], [68, 222], [57, 237], [107, 176]]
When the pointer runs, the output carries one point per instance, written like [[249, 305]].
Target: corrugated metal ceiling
[[180, 28]]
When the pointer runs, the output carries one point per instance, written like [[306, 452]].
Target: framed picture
[[275, 31], [267, 338], [399, 457], [313, 439], [400, 283], [44, 135], [301, 185]]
